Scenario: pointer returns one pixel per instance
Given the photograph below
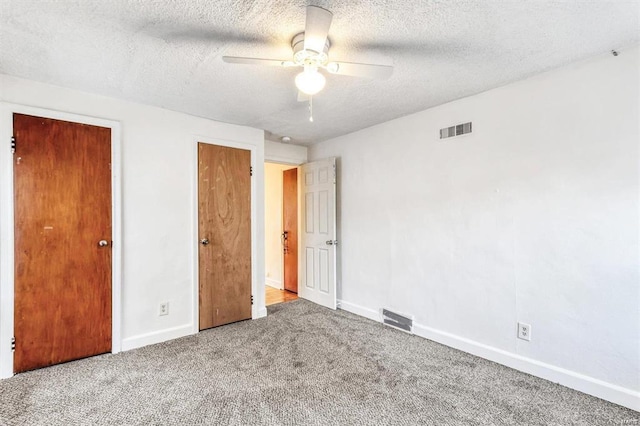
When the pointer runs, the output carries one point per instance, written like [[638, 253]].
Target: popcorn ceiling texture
[[168, 54]]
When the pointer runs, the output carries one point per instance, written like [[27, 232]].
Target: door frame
[[274, 159], [7, 224], [256, 287]]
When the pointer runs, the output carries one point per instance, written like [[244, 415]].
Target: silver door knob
[[204, 241], [103, 243], [332, 242]]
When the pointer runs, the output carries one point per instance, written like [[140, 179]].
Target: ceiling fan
[[311, 51]]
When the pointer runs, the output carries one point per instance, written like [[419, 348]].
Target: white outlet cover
[[163, 309], [524, 331]]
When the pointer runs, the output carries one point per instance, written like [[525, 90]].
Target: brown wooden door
[[62, 196], [290, 228], [224, 225]]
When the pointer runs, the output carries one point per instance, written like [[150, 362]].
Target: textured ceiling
[[168, 53]]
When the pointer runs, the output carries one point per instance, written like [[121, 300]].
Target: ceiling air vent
[[396, 320], [457, 130]]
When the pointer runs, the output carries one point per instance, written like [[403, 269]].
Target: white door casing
[[317, 255]]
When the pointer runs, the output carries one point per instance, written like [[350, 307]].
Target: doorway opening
[[281, 233]]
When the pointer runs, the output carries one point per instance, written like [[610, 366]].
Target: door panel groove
[[318, 237]]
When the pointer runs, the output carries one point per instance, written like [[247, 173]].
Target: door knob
[[332, 242], [103, 243], [204, 241]]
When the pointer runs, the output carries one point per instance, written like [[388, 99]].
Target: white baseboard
[[274, 283], [598, 388], [589, 385], [156, 337], [168, 334], [372, 314]]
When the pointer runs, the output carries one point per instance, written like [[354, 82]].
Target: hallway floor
[[273, 296]]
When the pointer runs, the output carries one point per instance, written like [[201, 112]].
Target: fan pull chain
[[311, 109]]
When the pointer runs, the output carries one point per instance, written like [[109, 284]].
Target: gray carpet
[[303, 364]]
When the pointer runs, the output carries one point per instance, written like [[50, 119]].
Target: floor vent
[[395, 320], [457, 130]]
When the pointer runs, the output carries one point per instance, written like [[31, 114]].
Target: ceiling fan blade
[[256, 61], [317, 28], [360, 70], [185, 32], [303, 97]]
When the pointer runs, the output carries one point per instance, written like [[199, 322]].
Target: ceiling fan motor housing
[[304, 57]]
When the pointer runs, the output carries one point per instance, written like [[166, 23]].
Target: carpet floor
[[301, 365]]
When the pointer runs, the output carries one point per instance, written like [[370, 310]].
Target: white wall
[[273, 224], [533, 217], [159, 169], [285, 153]]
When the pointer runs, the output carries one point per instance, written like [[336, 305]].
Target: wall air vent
[[457, 130], [396, 320]]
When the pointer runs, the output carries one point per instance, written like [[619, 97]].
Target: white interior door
[[317, 255]]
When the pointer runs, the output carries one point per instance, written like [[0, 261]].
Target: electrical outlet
[[163, 309], [524, 331]]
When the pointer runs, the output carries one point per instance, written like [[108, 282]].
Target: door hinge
[[13, 343], [250, 171], [252, 299], [13, 144]]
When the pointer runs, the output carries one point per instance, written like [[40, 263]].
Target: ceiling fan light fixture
[[310, 50], [310, 81]]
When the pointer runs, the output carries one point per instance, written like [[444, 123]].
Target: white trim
[[274, 283], [255, 312], [282, 160], [277, 152], [372, 314], [156, 337], [6, 245], [7, 224], [262, 312], [598, 388], [589, 385]]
